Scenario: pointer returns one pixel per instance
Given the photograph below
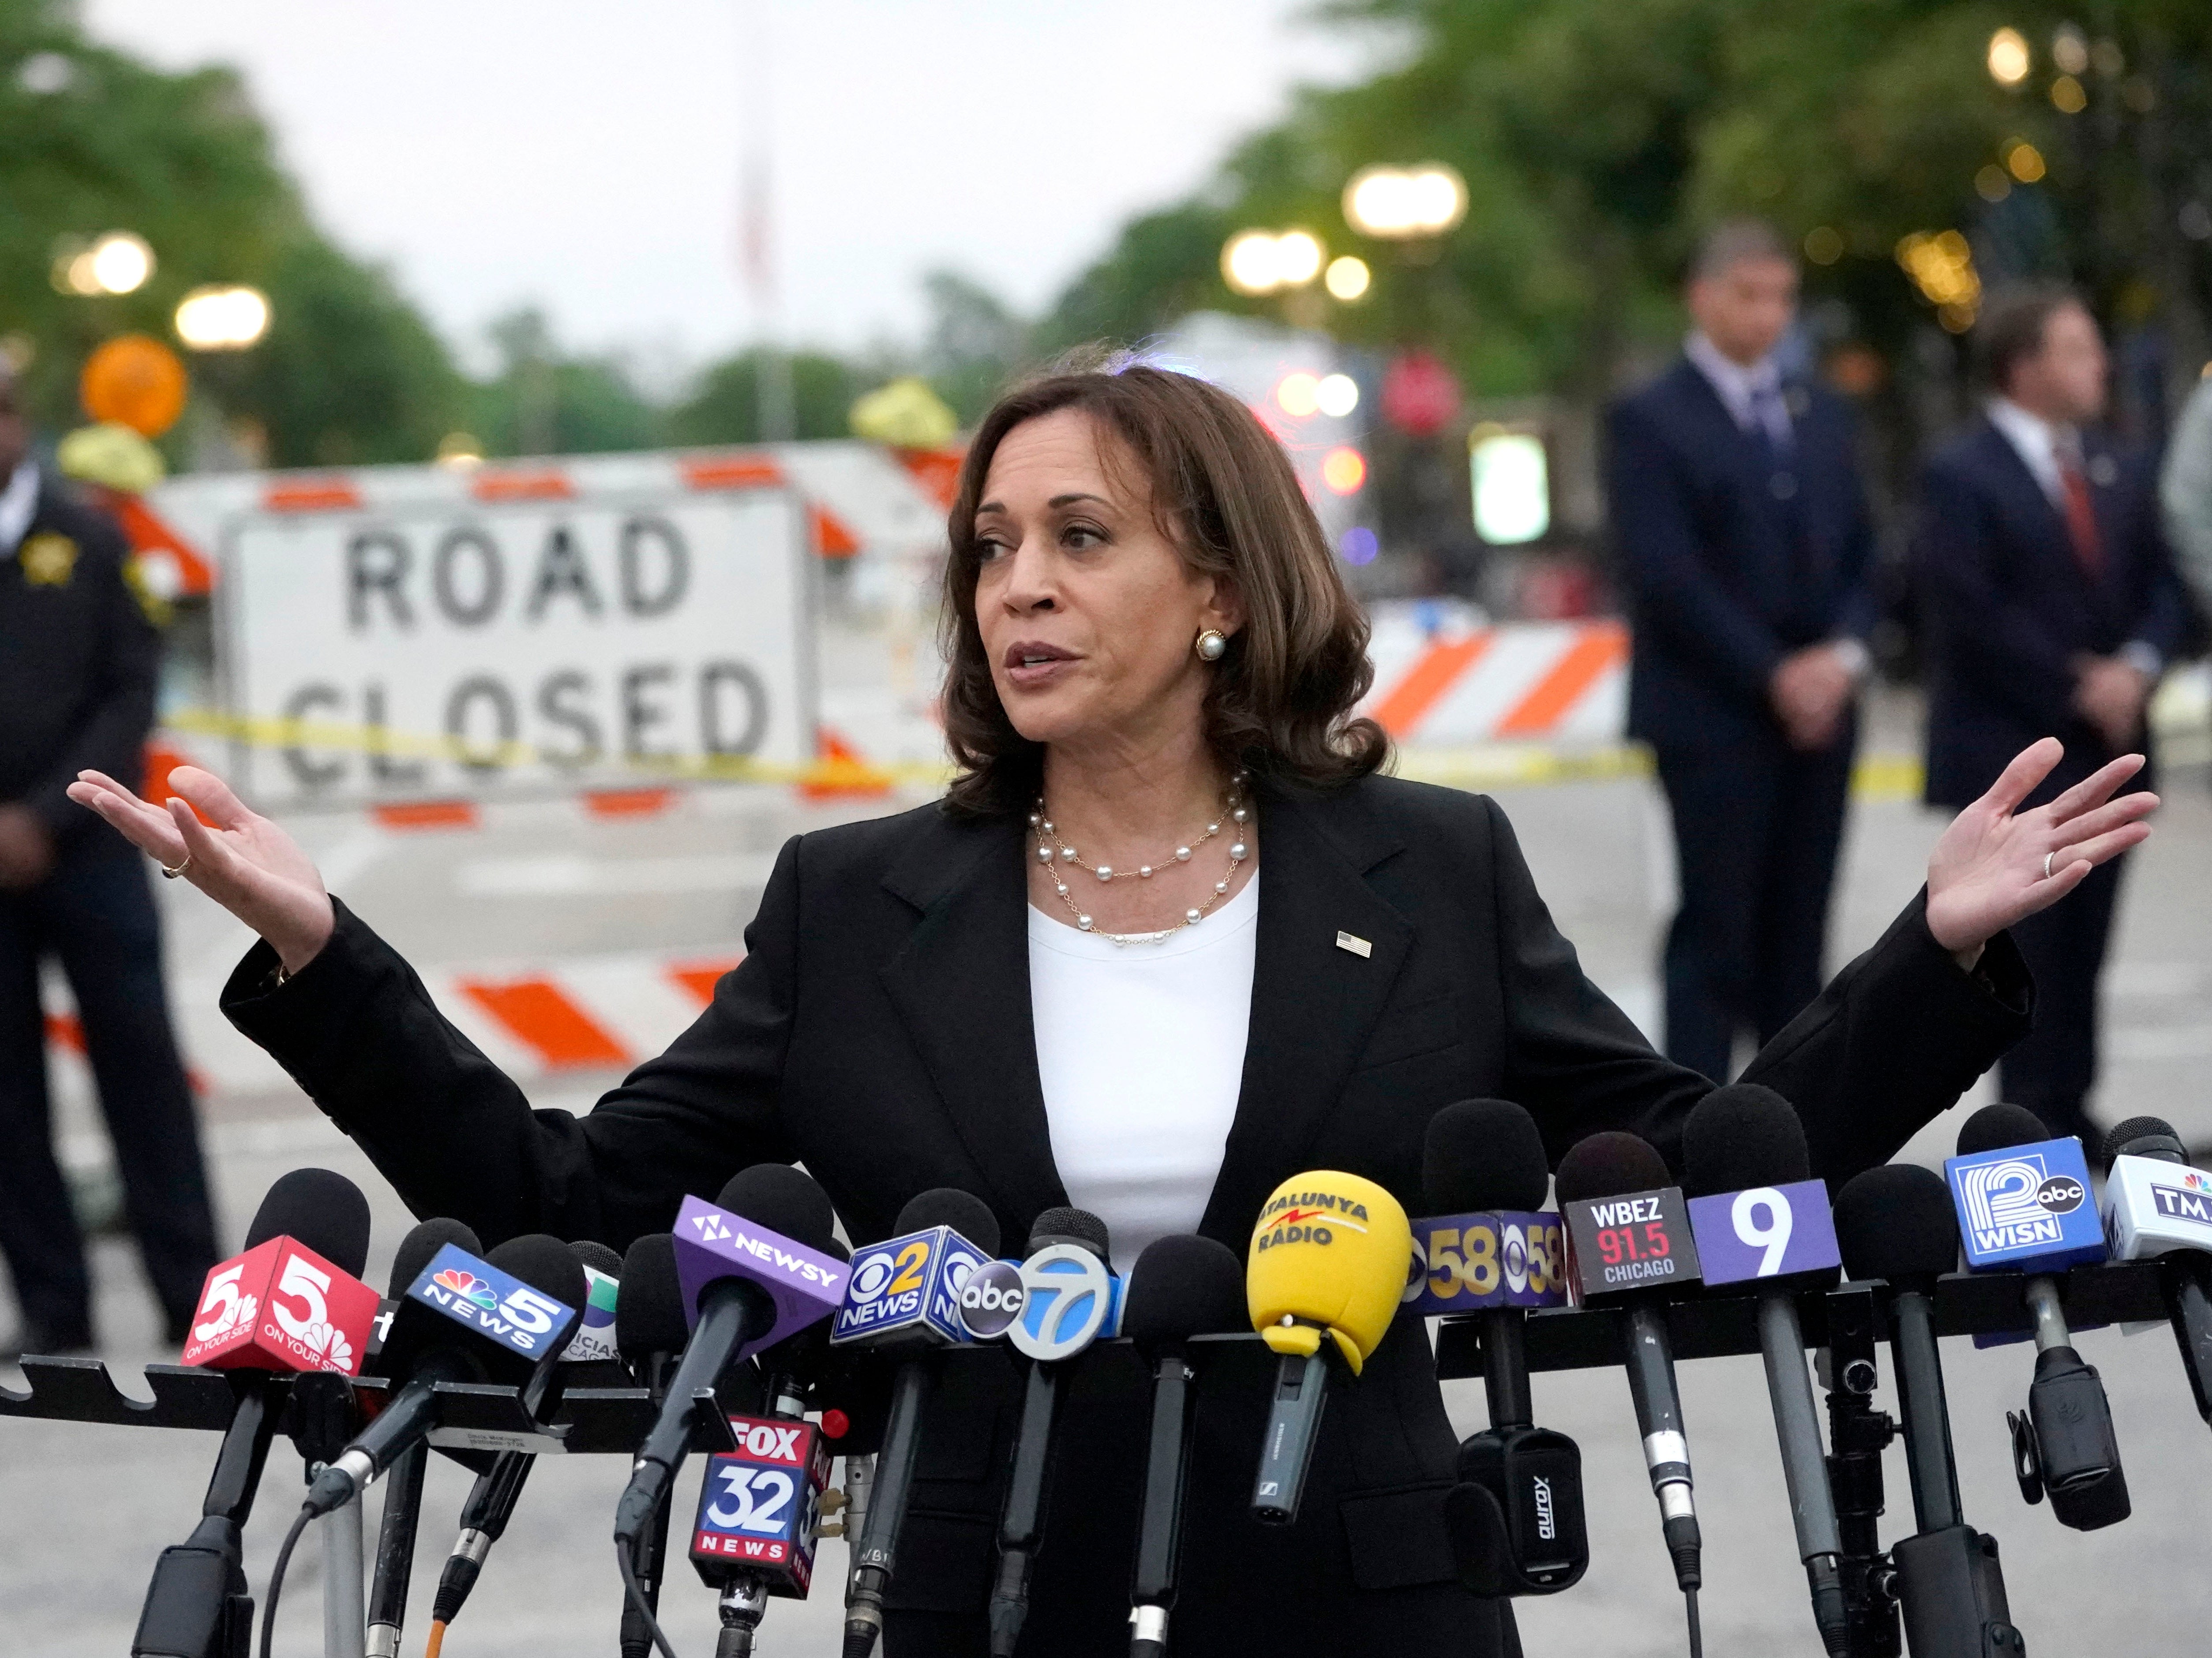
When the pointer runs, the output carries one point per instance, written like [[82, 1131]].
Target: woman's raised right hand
[[244, 863]]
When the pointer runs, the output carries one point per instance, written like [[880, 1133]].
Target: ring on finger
[[171, 874], [2047, 858]]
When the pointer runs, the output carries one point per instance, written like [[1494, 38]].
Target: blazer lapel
[[1313, 1001], [962, 985]]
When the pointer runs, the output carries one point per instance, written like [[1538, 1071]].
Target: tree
[[544, 402], [724, 406], [96, 141]]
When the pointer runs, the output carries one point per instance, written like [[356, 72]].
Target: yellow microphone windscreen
[[1330, 1253]]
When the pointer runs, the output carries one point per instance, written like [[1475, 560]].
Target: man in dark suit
[[77, 664], [1745, 542], [2053, 604]]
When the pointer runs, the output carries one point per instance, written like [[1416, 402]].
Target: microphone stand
[[1859, 1434], [635, 1640], [321, 1424], [198, 1605], [395, 1551]]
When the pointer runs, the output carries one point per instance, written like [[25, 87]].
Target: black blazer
[[2010, 606], [879, 1031], [1722, 582]]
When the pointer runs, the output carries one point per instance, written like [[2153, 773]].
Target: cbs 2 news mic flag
[[1473, 1263], [2025, 1207], [475, 1294], [1638, 1241], [760, 1506], [906, 1290], [711, 1244], [280, 1306]]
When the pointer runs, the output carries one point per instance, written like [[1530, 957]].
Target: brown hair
[[2012, 326], [1281, 698], [1732, 242]]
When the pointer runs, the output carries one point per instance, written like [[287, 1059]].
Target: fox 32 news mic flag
[[760, 1507], [2023, 1204], [292, 1301], [1327, 1265], [1515, 1517], [2157, 1207]]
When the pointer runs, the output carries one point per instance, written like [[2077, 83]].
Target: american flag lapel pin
[[1355, 943]]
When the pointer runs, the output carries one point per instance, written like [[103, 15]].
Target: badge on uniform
[[48, 559]]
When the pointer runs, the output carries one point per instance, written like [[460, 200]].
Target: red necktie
[[2080, 516]]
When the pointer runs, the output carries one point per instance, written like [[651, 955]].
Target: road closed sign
[[411, 639]]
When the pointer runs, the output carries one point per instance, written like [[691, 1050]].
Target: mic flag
[[1636, 1240], [805, 1285], [1765, 1233], [280, 1306], [2025, 1207], [905, 1291], [760, 1507], [594, 1339], [1473, 1263], [483, 1299], [2152, 1207], [1330, 1253]]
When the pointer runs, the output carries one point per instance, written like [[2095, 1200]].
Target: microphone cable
[[1696, 1634], [635, 1592], [276, 1579]]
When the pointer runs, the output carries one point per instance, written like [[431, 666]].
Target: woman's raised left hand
[[1987, 871]]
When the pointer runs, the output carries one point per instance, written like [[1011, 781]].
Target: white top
[[1752, 393], [1140, 1049], [19, 505], [2037, 441]]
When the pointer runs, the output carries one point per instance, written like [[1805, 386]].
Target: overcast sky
[[587, 156]]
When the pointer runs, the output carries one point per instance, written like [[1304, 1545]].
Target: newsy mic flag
[[2026, 1203], [713, 1243]]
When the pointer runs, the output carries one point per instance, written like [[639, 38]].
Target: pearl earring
[[1211, 645]]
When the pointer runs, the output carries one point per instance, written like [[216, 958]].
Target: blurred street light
[[1942, 266], [2066, 93], [1255, 262], [1344, 469], [2009, 60], [1337, 396], [1398, 204], [460, 451], [2024, 161], [1347, 278], [1824, 244], [2070, 49], [1991, 184], [1298, 394], [119, 262], [223, 318], [1512, 485]]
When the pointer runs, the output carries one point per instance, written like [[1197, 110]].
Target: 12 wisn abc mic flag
[[2026, 1203]]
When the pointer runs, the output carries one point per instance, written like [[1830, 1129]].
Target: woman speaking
[[1168, 940]]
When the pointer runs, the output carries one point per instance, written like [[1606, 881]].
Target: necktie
[[2081, 511]]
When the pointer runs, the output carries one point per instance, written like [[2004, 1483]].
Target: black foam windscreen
[[781, 1200], [1482, 1155], [650, 1312], [948, 1205], [1066, 1225], [1995, 1127], [1896, 1223], [545, 1264], [1183, 1285], [417, 1249], [2145, 1137], [1741, 1136], [321, 1209], [1607, 1164], [596, 1256]]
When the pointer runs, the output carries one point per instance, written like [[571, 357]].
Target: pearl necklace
[[1234, 810]]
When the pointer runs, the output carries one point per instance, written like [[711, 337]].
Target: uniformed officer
[[78, 659]]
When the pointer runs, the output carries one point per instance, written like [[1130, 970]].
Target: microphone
[[1758, 1217], [752, 1267], [649, 1333], [1627, 1232], [1183, 1286], [2156, 1206], [1328, 1258], [309, 1239], [1062, 1303], [904, 1299], [1516, 1518], [2023, 1203], [1896, 1223], [497, 1320], [491, 1501]]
